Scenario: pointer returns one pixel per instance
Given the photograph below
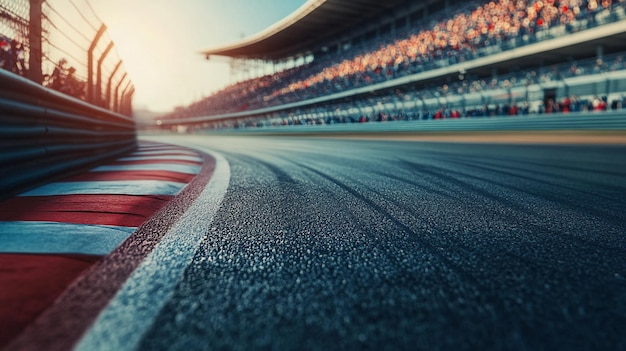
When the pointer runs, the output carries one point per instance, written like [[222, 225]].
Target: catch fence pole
[[94, 44], [34, 38]]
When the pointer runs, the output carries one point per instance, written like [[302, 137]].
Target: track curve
[[335, 244]]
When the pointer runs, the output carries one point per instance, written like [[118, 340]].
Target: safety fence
[[45, 133], [63, 45]]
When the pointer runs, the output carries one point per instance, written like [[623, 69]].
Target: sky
[[159, 41]]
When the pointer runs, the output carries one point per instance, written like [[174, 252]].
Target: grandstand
[[358, 61]]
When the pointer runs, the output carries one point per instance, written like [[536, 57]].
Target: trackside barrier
[[44, 134], [583, 121]]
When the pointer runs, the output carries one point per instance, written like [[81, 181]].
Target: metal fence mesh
[[14, 27], [78, 56]]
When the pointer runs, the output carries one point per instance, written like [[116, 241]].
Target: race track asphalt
[[360, 244]]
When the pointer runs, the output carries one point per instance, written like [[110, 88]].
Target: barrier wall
[[44, 134]]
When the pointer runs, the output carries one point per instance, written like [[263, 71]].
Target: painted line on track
[[150, 286]]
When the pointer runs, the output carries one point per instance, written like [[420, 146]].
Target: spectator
[[72, 86], [566, 105], [57, 79], [16, 58], [4, 52]]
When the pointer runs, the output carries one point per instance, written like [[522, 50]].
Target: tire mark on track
[[490, 167], [442, 176], [439, 173], [282, 176], [443, 173], [418, 185], [463, 274]]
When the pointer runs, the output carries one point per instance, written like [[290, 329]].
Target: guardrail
[[45, 134], [580, 121]]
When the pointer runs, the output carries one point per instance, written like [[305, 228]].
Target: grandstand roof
[[313, 24]]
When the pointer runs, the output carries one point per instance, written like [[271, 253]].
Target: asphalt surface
[[356, 244]]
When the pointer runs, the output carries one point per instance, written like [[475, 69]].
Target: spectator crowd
[[62, 78], [472, 31], [360, 110], [12, 56]]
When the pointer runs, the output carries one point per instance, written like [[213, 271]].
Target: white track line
[[61, 238], [108, 187], [122, 324]]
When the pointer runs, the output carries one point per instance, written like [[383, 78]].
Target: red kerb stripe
[[118, 210], [141, 162], [30, 283]]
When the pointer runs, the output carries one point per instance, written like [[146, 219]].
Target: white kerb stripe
[[61, 238], [123, 323], [170, 167], [109, 187]]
